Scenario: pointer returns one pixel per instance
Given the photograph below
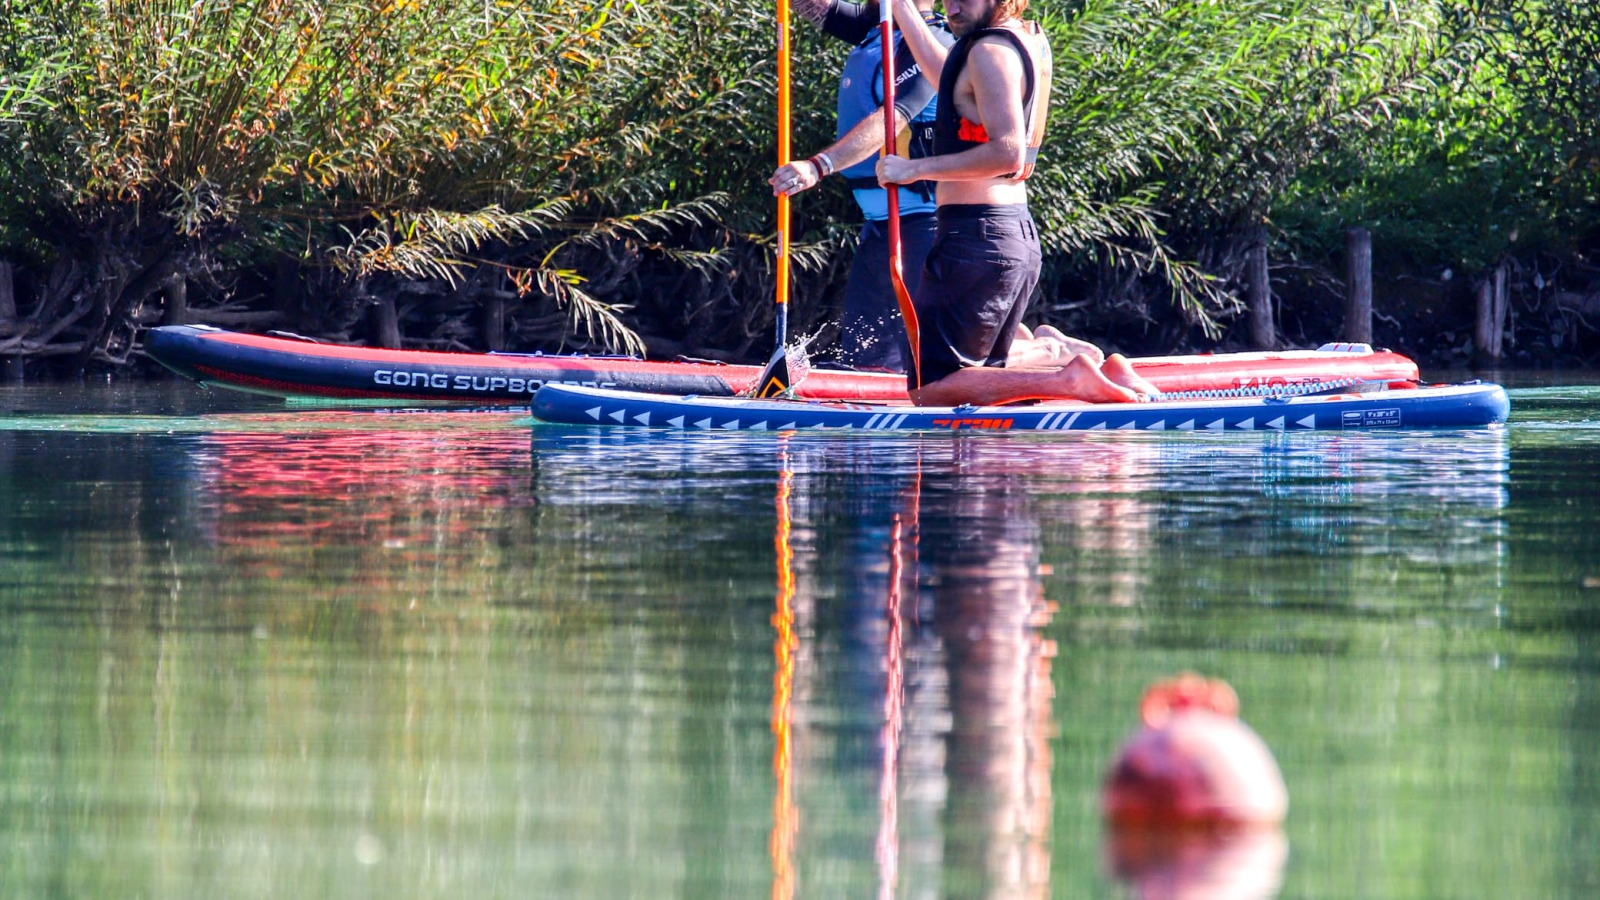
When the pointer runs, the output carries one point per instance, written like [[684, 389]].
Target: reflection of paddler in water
[[979, 547], [1194, 802], [976, 762], [964, 701]]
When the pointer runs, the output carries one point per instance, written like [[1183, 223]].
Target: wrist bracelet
[[824, 165]]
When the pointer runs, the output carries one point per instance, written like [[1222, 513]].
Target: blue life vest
[[860, 95]]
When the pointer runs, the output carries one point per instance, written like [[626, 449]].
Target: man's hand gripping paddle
[[908, 312]]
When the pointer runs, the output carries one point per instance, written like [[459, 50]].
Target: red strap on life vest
[[972, 131]]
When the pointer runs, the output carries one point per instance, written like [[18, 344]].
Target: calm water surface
[[249, 650]]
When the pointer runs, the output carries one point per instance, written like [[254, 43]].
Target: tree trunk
[[10, 366], [1358, 285], [8, 296], [1488, 333], [1258, 281], [125, 277], [387, 323], [1502, 306], [175, 294]]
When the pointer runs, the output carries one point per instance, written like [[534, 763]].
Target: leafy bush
[[392, 138]]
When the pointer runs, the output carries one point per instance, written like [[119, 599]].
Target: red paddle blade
[[908, 314]]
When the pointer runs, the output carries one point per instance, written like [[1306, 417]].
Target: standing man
[[871, 336], [994, 94]]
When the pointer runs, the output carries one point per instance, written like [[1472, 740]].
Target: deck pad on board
[[1450, 406]]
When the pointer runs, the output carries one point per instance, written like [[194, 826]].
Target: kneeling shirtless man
[[994, 92]]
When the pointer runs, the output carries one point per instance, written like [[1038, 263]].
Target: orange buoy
[[1194, 764]]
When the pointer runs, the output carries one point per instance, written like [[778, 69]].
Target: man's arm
[[860, 142], [929, 51], [849, 22], [997, 82]]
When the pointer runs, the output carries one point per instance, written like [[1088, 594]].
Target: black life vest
[[953, 133]]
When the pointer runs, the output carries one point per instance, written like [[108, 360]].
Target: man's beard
[[966, 26]]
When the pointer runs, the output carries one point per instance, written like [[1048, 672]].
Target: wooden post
[[1502, 307], [12, 365], [286, 290], [1484, 350], [1488, 332], [8, 296], [1358, 285], [175, 297], [387, 322], [494, 322], [1258, 288]]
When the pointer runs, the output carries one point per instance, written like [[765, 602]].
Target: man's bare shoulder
[[995, 53]]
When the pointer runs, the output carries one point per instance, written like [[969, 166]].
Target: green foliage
[[1456, 186], [1553, 63], [1179, 122], [1504, 164]]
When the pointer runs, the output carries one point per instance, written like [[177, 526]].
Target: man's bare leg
[[1119, 370], [1079, 379], [1028, 353]]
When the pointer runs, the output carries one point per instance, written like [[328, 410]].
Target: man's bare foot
[[1074, 345], [1117, 369], [1081, 379]]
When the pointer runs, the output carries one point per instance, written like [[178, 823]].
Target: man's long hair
[[1010, 9]]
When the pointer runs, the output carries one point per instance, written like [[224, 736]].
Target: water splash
[[798, 354]]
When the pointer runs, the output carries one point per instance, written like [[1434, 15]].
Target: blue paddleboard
[[1444, 406]]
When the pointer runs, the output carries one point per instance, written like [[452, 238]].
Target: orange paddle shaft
[[783, 160]]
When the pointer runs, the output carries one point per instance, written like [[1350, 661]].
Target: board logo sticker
[[973, 422], [1388, 417]]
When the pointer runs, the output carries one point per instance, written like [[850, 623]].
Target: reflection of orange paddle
[[785, 819], [896, 274]]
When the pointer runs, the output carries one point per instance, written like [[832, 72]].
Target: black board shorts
[[872, 334], [975, 287]]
